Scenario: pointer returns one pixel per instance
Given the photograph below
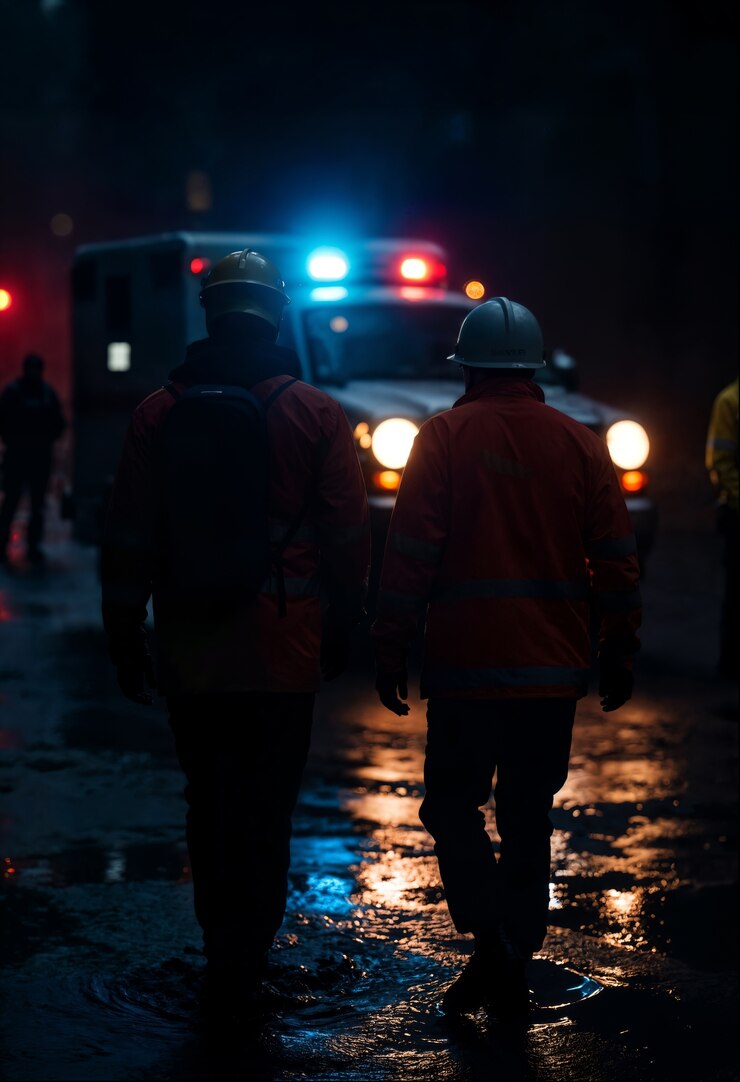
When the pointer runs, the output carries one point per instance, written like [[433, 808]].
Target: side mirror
[[565, 369]]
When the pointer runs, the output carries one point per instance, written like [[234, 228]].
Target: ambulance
[[372, 322]]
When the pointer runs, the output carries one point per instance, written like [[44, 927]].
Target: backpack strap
[[277, 392], [292, 529]]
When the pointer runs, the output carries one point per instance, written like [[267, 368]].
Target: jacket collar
[[502, 388], [243, 365]]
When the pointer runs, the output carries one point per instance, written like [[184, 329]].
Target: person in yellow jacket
[[721, 461]]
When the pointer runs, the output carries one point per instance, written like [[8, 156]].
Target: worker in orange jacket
[[237, 473], [509, 527]]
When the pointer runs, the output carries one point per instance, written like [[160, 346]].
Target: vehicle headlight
[[628, 444], [392, 442]]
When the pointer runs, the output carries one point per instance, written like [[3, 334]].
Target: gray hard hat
[[499, 334], [247, 282]]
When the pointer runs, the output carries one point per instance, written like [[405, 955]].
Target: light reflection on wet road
[[100, 955]]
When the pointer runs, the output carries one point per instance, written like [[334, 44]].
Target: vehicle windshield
[[383, 341]]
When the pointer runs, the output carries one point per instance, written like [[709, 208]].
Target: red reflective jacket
[[509, 523], [255, 649]]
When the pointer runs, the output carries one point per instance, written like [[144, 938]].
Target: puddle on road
[[164, 998], [106, 730], [367, 947], [338, 1007], [556, 987], [87, 864]]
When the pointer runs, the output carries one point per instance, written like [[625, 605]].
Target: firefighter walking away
[[240, 508], [509, 525]]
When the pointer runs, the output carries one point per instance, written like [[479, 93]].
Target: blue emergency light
[[327, 265], [328, 293]]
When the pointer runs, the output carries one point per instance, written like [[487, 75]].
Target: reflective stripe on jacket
[[509, 524], [721, 456], [254, 649]]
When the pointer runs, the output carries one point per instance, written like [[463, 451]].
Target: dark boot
[[233, 993], [495, 978], [472, 989], [511, 999]]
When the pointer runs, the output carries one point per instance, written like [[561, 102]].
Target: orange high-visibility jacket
[[509, 524], [256, 649]]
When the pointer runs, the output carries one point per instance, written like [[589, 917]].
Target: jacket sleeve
[[416, 541], [721, 455], [129, 546], [343, 525], [611, 550]]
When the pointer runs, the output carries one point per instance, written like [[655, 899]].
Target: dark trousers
[[243, 757], [14, 482], [527, 743]]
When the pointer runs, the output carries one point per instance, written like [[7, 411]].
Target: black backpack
[[213, 541]]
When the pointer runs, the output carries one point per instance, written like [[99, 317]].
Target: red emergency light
[[199, 265], [6, 299], [421, 269]]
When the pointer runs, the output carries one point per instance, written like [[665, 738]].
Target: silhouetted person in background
[[31, 419], [238, 501], [721, 461], [509, 524]]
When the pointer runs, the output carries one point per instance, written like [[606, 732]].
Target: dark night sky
[[579, 157]]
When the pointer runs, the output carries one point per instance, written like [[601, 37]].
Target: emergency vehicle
[[372, 323]]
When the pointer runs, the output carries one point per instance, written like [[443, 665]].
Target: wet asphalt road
[[100, 959]]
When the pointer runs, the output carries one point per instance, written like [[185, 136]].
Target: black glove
[[391, 688], [334, 656], [615, 682], [135, 677]]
